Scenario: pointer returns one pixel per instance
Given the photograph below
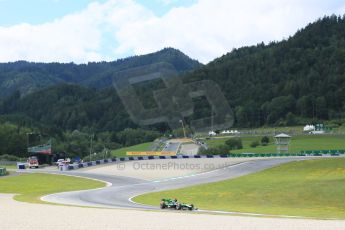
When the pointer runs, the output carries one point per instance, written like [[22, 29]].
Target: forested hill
[[297, 80], [27, 77], [67, 107]]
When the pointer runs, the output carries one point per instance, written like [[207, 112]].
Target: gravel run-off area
[[24, 216]]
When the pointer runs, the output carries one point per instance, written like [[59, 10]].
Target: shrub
[[254, 144], [234, 143], [265, 140], [222, 149]]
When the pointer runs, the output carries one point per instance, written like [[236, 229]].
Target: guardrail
[[3, 162], [340, 151]]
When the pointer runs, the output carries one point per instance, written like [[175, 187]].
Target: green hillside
[[300, 79]]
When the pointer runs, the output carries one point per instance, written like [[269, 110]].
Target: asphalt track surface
[[122, 189], [171, 147]]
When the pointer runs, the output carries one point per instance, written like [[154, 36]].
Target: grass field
[[298, 143], [313, 188], [30, 187], [122, 151]]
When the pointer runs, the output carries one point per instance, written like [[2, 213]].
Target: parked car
[[33, 162], [59, 161]]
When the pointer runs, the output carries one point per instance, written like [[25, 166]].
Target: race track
[[122, 189]]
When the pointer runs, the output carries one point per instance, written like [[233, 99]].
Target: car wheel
[[178, 206], [162, 205]]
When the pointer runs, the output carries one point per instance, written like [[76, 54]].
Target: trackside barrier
[[333, 151], [319, 153]]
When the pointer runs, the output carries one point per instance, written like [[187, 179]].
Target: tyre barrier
[[238, 155]]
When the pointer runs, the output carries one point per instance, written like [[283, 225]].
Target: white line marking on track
[[108, 184]]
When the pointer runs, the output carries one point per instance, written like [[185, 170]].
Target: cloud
[[168, 2], [77, 37], [204, 30], [209, 28]]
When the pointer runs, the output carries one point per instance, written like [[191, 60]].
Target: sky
[[84, 31]]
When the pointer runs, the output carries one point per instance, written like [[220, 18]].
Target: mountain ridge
[[28, 77]]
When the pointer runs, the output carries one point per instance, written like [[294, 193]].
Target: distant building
[[212, 133], [230, 132], [308, 128], [315, 129]]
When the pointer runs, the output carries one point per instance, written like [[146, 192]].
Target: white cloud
[[204, 30], [209, 28], [167, 2], [76, 37]]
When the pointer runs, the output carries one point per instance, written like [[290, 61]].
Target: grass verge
[[298, 143], [30, 187], [122, 151], [313, 188]]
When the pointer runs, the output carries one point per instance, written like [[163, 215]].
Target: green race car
[[174, 204]]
